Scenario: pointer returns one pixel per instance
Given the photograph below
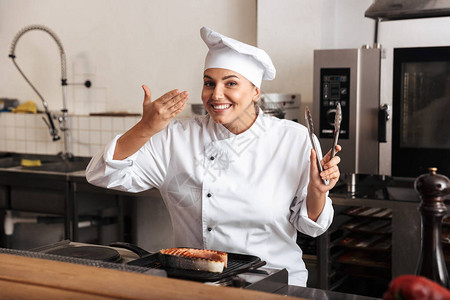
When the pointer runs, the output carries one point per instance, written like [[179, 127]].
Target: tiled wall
[[27, 133]]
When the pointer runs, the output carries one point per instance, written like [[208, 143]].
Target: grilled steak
[[194, 259]]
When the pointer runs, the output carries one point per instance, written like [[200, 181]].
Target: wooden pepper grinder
[[432, 188]]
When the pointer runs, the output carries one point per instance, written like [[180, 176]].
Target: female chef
[[235, 180]]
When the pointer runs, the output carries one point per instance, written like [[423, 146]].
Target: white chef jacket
[[242, 193]]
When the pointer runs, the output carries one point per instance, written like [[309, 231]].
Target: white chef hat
[[226, 53]]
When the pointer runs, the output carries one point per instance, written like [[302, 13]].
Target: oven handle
[[383, 117], [138, 250]]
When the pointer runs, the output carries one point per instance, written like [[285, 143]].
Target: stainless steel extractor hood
[[386, 10]]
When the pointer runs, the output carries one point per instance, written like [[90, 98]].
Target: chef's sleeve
[[141, 171], [299, 212], [299, 217]]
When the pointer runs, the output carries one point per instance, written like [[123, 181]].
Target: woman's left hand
[[316, 197], [330, 171]]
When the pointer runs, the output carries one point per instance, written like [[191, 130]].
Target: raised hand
[[157, 114]]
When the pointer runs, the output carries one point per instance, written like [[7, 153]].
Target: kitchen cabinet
[[85, 213], [111, 207], [35, 192], [55, 190]]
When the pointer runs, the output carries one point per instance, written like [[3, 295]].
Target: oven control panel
[[334, 88]]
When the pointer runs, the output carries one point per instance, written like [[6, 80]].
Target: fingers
[[331, 173], [313, 168], [313, 159], [328, 155], [147, 94], [167, 97], [330, 168], [177, 101], [178, 109], [327, 174]]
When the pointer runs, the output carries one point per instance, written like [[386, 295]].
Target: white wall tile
[[95, 123], [74, 122], [20, 146], [10, 146], [29, 134], [106, 123], [83, 137], [129, 122], [3, 122], [10, 119], [83, 123], [118, 124], [30, 146], [19, 120], [95, 137], [107, 136], [30, 120], [43, 135], [20, 134], [10, 133], [41, 147]]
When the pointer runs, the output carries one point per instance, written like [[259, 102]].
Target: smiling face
[[229, 99]]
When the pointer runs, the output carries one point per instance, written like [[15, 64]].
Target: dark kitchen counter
[[310, 293], [376, 188]]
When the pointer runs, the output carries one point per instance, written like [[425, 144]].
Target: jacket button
[[209, 195]]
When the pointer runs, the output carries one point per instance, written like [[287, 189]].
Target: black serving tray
[[237, 263]]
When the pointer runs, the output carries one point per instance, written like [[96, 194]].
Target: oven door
[[421, 111]]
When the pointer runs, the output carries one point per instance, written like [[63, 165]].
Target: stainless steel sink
[[49, 163], [63, 166], [8, 162]]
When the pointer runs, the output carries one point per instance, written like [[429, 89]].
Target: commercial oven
[[352, 78], [421, 111]]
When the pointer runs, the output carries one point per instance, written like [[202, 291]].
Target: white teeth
[[221, 106]]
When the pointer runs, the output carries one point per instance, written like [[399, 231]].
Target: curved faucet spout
[[64, 119], [53, 35]]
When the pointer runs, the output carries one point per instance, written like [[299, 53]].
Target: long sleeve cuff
[[116, 164], [323, 222]]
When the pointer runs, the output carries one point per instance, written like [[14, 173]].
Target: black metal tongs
[[337, 128], [309, 124]]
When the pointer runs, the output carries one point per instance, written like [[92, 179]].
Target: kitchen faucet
[[63, 119]]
